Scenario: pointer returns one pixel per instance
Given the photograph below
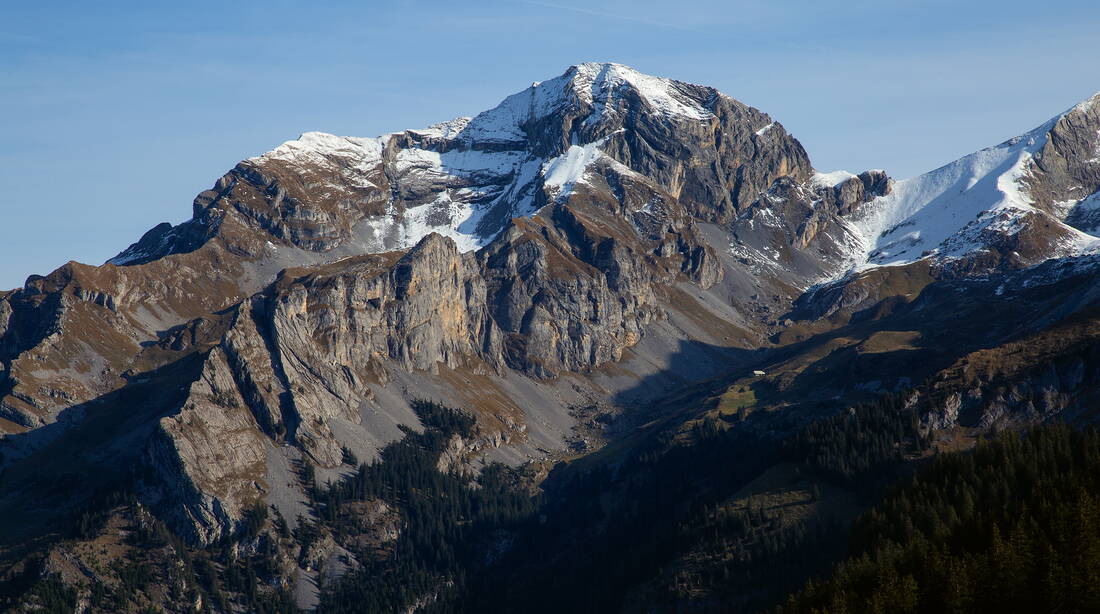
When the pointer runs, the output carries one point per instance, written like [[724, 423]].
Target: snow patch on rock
[[829, 180], [596, 81]]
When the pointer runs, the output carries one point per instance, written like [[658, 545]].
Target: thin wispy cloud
[[605, 14]]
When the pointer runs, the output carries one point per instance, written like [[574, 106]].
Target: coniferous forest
[[450, 521], [1010, 526], [600, 530], [1013, 526]]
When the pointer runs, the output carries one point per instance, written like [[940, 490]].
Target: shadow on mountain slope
[[92, 447]]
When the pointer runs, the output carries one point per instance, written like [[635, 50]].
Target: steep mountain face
[[623, 171], [669, 153], [596, 242]]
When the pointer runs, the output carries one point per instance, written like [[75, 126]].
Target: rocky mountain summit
[[596, 242], [543, 240]]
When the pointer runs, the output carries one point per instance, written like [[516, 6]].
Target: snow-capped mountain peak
[[465, 178], [592, 86], [595, 83], [983, 202]]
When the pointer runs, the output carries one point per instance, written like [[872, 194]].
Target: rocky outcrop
[[798, 231], [1051, 374], [259, 381], [556, 312], [206, 460], [70, 336], [1057, 390], [561, 292], [715, 167], [855, 191], [1065, 171], [335, 329]]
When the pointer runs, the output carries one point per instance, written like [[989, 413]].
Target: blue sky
[[114, 115]]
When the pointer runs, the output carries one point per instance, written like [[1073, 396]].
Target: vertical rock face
[[1064, 177], [258, 377], [334, 329], [208, 457], [549, 295], [555, 311], [1067, 168], [855, 191]]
